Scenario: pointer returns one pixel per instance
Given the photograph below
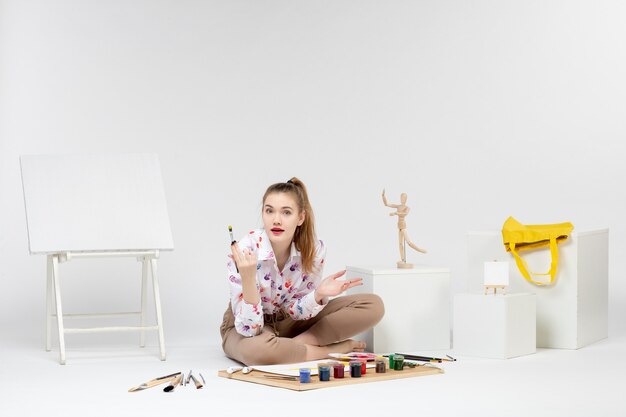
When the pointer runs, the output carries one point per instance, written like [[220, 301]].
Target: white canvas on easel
[[96, 206], [496, 276]]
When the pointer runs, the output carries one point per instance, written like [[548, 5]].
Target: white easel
[[53, 296], [96, 206]]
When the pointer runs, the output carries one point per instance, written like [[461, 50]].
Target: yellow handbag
[[519, 237]]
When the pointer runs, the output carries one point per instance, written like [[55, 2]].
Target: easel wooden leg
[[144, 293], [157, 303], [59, 308], [495, 289], [49, 296]]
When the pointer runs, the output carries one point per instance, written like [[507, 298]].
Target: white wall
[[476, 109]]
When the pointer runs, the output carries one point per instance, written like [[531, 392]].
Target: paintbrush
[[283, 377], [154, 382], [232, 242], [232, 239], [174, 383], [195, 381]]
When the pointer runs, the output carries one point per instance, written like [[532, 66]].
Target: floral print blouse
[[289, 290]]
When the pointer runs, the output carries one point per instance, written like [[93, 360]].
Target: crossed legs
[[303, 340]]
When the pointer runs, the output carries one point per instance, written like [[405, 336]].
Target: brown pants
[[341, 319]]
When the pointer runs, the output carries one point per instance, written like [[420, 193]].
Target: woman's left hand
[[331, 285]]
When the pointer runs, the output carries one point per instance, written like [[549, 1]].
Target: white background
[[477, 109]]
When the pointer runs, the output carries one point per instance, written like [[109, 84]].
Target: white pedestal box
[[494, 326], [417, 307], [571, 313]]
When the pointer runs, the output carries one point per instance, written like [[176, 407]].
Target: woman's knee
[[257, 356], [376, 307]]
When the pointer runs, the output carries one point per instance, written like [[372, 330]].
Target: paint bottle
[[305, 375], [320, 364], [355, 369], [398, 362], [363, 366], [391, 363], [381, 368], [338, 370], [324, 373]]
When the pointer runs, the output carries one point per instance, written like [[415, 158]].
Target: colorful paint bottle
[[363, 366], [398, 362], [338, 370], [391, 363], [324, 373], [381, 368], [355, 369], [305, 375]]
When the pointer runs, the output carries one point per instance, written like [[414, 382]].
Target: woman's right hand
[[245, 260]]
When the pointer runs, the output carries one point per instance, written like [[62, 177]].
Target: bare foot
[[321, 352], [348, 346]]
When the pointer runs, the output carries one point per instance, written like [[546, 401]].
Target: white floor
[[586, 382]]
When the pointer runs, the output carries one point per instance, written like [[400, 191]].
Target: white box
[[494, 326], [417, 307], [571, 313]]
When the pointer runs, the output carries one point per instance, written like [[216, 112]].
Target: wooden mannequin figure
[[401, 211]]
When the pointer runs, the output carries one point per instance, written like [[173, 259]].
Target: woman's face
[[281, 216]]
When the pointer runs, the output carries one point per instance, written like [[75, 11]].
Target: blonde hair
[[304, 237]]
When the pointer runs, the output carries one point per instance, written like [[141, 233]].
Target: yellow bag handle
[[523, 267], [518, 237]]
